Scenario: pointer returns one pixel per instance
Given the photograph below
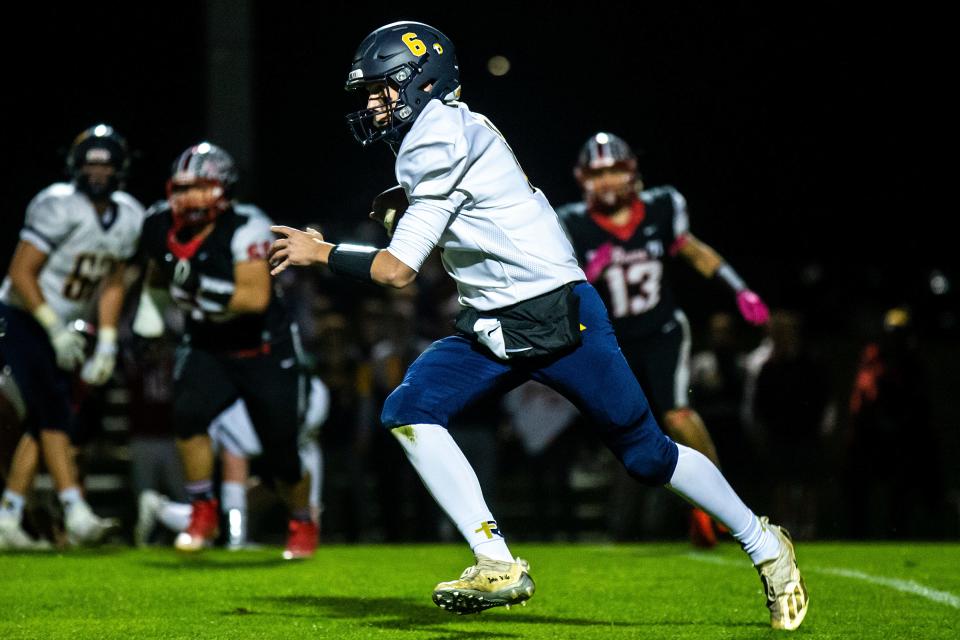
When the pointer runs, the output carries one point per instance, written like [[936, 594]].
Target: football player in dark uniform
[[210, 251], [623, 234]]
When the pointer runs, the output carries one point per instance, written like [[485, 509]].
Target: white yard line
[[904, 586]]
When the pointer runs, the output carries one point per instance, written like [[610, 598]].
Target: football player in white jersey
[[67, 269], [528, 313]]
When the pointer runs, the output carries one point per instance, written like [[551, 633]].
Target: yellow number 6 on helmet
[[416, 47]]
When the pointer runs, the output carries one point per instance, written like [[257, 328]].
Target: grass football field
[[888, 591]]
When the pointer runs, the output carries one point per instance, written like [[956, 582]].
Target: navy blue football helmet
[[408, 57], [100, 144]]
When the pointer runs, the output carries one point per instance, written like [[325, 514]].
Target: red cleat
[[302, 537], [203, 529], [701, 530]]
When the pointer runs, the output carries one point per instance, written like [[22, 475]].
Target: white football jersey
[[501, 240], [81, 246]]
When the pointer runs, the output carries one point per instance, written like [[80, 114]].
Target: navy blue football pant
[[455, 372], [47, 389], [205, 383]]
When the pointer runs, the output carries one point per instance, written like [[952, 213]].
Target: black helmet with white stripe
[[98, 145]]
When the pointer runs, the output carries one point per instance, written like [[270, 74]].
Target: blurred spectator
[[892, 484], [405, 510], [716, 380], [790, 400], [542, 420], [338, 363], [154, 461]]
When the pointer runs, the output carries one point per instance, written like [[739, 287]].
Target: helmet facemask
[[400, 114], [607, 172], [98, 146], [195, 202], [609, 189], [413, 59], [96, 184], [201, 186]]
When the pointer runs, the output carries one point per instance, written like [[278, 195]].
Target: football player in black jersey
[[239, 342], [623, 235]]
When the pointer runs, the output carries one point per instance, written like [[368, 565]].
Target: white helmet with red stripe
[[607, 172], [201, 184]]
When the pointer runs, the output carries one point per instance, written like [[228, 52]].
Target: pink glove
[[752, 308], [600, 261]]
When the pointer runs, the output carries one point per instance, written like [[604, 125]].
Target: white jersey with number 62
[[81, 246]]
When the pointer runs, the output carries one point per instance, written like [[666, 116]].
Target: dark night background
[[799, 135], [810, 141]]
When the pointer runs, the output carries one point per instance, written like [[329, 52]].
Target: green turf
[[583, 591]]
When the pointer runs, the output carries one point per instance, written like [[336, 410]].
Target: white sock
[[175, 515], [70, 498], [11, 505], [699, 482], [453, 483], [233, 495], [233, 502], [311, 459], [758, 542]]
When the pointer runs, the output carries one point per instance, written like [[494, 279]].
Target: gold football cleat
[[786, 593], [489, 583]]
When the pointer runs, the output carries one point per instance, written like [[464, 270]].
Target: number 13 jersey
[[633, 285]]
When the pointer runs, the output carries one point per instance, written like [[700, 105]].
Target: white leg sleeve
[[700, 483], [453, 483]]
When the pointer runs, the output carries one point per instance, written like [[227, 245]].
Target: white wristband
[[728, 275], [46, 316], [107, 340], [107, 335]]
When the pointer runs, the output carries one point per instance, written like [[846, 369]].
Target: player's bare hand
[[294, 248]]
